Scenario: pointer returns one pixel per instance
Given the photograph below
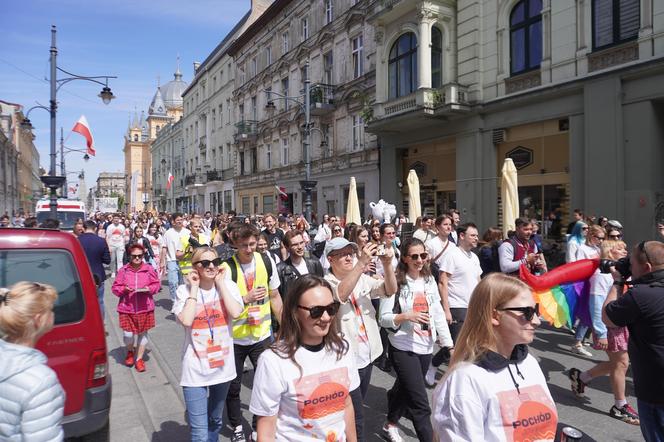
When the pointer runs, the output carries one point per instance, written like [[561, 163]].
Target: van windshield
[[54, 267], [67, 219]]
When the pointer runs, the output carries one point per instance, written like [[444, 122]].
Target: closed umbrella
[[509, 193], [353, 209], [414, 208]]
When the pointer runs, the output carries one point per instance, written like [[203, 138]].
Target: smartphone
[[381, 250]]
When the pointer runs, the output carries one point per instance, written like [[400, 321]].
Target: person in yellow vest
[[190, 243], [257, 278]]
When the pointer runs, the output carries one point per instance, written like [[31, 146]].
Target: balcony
[[213, 175], [322, 99], [246, 130], [189, 180]]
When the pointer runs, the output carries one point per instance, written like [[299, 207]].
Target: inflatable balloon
[[383, 210]]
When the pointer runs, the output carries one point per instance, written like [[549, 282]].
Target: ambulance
[[68, 212]]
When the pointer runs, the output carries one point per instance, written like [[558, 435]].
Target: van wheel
[[101, 435]]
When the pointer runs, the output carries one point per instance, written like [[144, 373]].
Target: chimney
[[197, 64]]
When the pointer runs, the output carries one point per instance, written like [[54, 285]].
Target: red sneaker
[[129, 360], [140, 365]]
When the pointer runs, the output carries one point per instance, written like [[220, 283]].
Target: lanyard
[[207, 316]]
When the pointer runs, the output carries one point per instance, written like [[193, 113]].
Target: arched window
[[403, 66], [135, 137], [436, 58], [526, 36], [615, 22]]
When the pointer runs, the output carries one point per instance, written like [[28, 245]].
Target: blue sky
[[136, 40]]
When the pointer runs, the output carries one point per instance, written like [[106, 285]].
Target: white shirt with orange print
[[207, 354], [310, 404]]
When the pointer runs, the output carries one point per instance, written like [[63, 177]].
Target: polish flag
[[282, 193], [83, 128], [169, 181]]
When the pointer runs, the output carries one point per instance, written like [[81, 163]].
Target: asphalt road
[[149, 406]]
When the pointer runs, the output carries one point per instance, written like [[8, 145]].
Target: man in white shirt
[[115, 237], [172, 250], [425, 232], [460, 272]]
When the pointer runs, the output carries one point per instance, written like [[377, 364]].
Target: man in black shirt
[[641, 310], [274, 237], [296, 264]]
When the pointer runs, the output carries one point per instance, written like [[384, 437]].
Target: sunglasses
[[422, 256], [601, 238], [615, 236], [528, 312], [318, 310], [137, 256], [584, 228], [205, 263], [337, 230]]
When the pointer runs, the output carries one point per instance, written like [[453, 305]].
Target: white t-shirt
[[115, 235], [435, 245], [587, 252], [301, 268], [156, 244], [204, 363], [473, 404], [173, 242], [465, 270], [310, 406]]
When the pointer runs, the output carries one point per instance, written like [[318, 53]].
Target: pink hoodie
[[130, 279]]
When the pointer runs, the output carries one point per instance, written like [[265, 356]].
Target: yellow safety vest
[[185, 262], [255, 320]]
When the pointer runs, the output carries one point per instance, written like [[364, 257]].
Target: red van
[[76, 347]]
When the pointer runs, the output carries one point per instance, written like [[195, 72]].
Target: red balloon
[[580, 270]]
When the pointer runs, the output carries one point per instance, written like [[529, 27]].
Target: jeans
[[357, 396], [581, 331], [174, 278], [205, 406], [241, 352], [100, 297], [458, 318], [408, 396], [652, 421], [117, 253]]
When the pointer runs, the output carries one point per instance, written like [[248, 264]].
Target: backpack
[[233, 267]]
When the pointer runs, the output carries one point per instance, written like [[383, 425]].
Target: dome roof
[[172, 91]]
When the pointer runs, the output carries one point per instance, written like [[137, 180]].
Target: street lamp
[[51, 180], [307, 184]]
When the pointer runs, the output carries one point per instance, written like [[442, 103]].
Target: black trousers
[[233, 405], [458, 318], [408, 396], [357, 396]]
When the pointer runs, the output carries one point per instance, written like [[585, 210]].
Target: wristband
[[190, 297]]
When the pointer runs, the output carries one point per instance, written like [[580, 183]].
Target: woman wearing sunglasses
[[205, 307], [416, 316], [302, 383], [136, 284], [494, 390]]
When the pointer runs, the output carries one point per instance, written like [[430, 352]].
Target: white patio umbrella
[[353, 208], [509, 194], [414, 207]]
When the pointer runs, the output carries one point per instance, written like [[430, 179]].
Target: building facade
[[570, 90], [330, 43], [110, 184], [165, 109], [167, 152]]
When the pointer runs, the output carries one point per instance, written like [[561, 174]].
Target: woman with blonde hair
[[31, 397], [494, 390]]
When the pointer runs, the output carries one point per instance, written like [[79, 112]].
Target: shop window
[[525, 36], [614, 22], [545, 204], [402, 66], [268, 203], [436, 58]]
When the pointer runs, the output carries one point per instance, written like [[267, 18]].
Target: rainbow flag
[[563, 293]]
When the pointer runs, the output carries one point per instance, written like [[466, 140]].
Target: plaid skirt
[[137, 322]]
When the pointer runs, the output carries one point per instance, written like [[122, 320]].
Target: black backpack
[[233, 267]]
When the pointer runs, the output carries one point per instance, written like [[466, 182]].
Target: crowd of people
[[315, 308]]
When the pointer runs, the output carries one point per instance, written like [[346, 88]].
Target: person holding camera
[[641, 310], [521, 249], [613, 340]]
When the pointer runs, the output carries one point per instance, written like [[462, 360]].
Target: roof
[[260, 23], [157, 107]]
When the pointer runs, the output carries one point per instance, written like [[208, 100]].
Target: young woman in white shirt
[[494, 390], [418, 322], [205, 306], [302, 385]]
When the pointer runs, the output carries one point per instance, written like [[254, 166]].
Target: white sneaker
[[579, 350], [392, 433], [430, 377]]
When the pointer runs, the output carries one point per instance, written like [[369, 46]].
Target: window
[[358, 133], [214, 119], [228, 200], [436, 58], [214, 83], [268, 56], [358, 59], [304, 28], [254, 160], [241, 112], [135, 138], [614, 22], [228, 109], [328, 62], [402, 66], [242, 170], [245, 204], [284, 91], [525, 36], [196, 130], [284, 152], [254, 67], [254, 109], [229, 160], [221, 115], [285, 46], [268, 203], [268, 157], [329, 11]]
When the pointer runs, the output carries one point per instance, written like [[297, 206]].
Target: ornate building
[[165, 109]]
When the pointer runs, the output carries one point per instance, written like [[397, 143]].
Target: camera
[[622, 266]]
